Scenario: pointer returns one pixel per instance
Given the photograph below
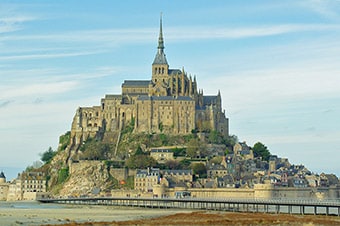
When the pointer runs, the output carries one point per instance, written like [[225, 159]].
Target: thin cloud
[[248, 32], [49, 55], [13, 23], [39, 89], [325, 8], [119, 36], [41, 75], [301, 138], [4, 103]]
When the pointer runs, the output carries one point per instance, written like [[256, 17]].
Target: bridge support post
[[302, 210]]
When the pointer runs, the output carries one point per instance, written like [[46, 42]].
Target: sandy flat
[[68, 214], [112, 215]]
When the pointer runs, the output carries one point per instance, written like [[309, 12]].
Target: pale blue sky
[[275, 62]]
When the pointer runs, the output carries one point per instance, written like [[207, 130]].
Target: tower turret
[[2, 177], [160, 65]]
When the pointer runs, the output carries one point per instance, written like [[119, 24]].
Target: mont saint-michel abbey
[[168, 103]]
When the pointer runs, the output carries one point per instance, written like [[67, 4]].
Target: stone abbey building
[[168, 103]]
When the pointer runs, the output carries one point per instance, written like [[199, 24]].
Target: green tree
[[184, 164], [47, 155], [179, 151], [172, 164], [140, 162], [64, 140], [95, 150], [227, 151], [215, 137], [216, 160], [63, 175], [231, 140], [260, 150], [195, 148], [199, 169], [139, 151]]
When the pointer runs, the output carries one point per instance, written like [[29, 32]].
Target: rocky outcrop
[[86, 178]]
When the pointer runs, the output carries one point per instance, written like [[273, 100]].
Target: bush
[[48, 155], [199, 169], [64, 140], [63, 175], [96, 150], [140, 162], [260, 149]]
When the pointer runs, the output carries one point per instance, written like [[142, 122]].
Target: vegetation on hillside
[[93, 149], [133, 152], [140, 160], [260, 150], [48, 155], [64, 140]]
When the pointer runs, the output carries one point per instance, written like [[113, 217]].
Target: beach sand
[[111, 215], [78, 214]]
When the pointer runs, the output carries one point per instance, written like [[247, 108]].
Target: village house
[[216, 170], [162, 155], [242, 149], [177, 178], [146, 179], [3, 187], [33, 183]]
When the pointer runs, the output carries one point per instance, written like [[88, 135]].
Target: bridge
[[299, 206]]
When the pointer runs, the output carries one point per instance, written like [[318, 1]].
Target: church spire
[[160, 56], [160, 38]]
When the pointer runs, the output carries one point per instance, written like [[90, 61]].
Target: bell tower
[[160, 65]]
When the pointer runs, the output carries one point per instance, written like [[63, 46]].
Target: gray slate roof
[[174, 71], [160, 58], [208, 100], [136, 83], [113, 96], [180, 172], [160, 150], [179, 98]]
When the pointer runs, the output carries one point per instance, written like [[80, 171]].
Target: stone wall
[[119, 173], [260, 191], [3, 191]]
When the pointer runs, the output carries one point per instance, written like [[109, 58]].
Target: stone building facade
[[168, 103], [146, 179], [161, 155], [3, 187]]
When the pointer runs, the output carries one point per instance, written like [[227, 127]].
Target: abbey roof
[[136, 83], [183, 98]]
